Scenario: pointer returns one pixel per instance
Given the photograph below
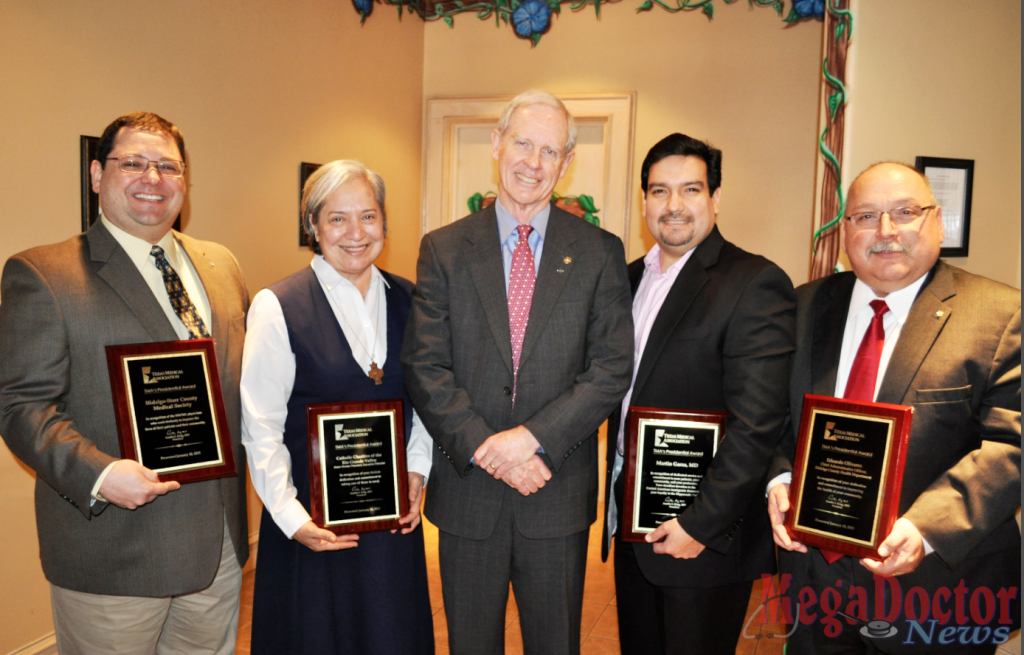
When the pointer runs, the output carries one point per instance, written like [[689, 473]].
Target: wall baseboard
[[46, 645]]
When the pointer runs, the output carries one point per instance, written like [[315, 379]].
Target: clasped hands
[[903, 548], [511, 456]]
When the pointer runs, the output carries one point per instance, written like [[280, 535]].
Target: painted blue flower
[[364, 7], [532, 17], [809, 8]]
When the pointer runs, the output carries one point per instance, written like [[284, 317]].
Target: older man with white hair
[[519, 344]]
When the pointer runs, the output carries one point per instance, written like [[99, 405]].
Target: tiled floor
[[600, 628]]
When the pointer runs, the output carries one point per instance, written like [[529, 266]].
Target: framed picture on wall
[[88, 146], [305, 170], [952, 181], [88, 150]]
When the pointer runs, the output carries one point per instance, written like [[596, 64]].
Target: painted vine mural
[[531, 19]]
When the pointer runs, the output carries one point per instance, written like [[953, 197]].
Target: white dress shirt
[[858, 319], [650, 296], [268, 375], [139, 252]]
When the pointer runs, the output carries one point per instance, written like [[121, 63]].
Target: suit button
[[507, 391]]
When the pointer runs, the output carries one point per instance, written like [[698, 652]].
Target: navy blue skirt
[[369, 600]]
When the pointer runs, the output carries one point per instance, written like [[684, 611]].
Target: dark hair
[[680, 144], [138, 120]]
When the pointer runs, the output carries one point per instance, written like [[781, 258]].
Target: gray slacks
[[547, 580]]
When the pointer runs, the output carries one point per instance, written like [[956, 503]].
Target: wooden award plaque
[[848, 474], [357, 471], [667, 454], [169, 409]]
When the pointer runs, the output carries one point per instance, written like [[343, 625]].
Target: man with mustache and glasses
[[135, 564], [714, 332], [948, 343]]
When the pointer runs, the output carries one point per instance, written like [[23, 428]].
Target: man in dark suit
[[948, 344], [713, 332], [512, 385], [135, 564]]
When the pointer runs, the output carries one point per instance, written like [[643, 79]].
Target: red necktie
[[521, 281], [864, 373]]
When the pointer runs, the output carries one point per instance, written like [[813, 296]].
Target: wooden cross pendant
[[376, 374]]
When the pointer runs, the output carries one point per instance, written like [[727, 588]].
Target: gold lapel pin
[[939, 314], [567, 260]]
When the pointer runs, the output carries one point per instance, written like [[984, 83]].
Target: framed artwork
[[458, 169], [305, 170], [88, 150], [88, 146], [952, 181]]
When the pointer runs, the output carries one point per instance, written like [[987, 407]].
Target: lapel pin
[[560, 270], [567, 260], [939, 314]]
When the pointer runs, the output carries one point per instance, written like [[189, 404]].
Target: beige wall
[[942, 79], [743, 80], [256, 87]]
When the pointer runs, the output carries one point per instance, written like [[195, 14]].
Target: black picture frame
[[952, 181], [305, 170], [88, 150], [88, 147]]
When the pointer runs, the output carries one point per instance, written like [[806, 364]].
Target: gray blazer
[[575, 367], [958, 363], [62, 304]]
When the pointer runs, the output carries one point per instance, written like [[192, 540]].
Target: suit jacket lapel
[[827, 338], [488, 271], [215, 291], [554, 271], [688, 284], [927, 317], [116, 269]]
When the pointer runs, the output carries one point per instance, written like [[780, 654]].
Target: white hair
[[538, 97], [325, 181]]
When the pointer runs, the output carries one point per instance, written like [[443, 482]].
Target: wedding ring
[[494, 467]]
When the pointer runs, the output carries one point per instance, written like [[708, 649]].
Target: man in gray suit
[[519, 343], [136, 565], [948, 343]]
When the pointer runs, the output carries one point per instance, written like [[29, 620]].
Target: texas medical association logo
[[961, 615]]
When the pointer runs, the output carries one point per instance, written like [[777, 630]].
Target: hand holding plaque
[[667, 454], [169, 409], [357, 474], [848, 474]]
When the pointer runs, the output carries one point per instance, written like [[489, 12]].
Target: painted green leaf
[[475, 202], [709, 9], [792, 17], [449, 21], [535, 38], [587, 203], [646, 6], [593, 220]]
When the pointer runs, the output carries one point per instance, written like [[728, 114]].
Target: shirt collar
[[331, 278], [899, 302], [139, 249], [507, 224], [652, 262]]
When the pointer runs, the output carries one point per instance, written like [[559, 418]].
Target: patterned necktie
[[520, 295], [864, 373], [180, 301]]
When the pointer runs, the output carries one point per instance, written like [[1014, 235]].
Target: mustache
[[674, 216], [886, 247]]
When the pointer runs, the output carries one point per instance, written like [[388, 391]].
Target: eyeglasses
[[898, 216], [138, 164]]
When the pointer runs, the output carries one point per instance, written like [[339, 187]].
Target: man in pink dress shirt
[[714, 331]]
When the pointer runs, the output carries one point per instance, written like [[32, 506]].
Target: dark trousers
[[547, 579], [656, 619]]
